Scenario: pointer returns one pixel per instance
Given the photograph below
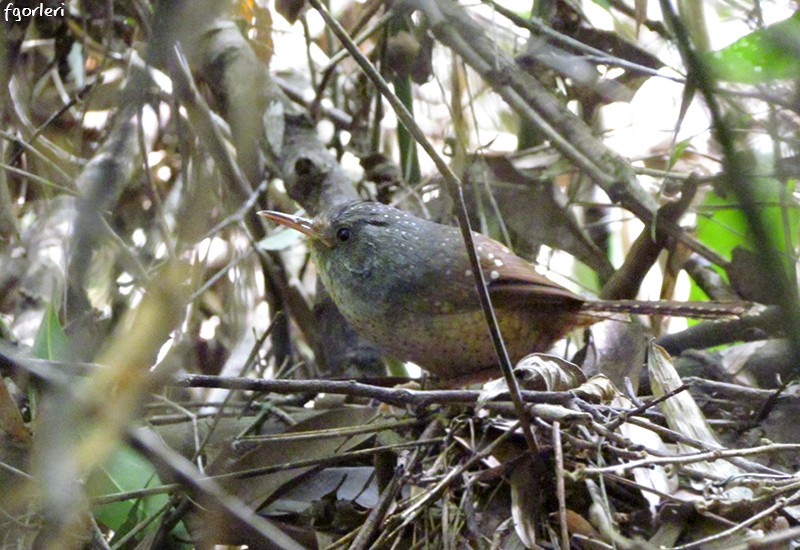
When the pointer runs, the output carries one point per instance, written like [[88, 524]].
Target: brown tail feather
[[696, 310]]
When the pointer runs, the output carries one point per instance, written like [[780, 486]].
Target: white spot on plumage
[[494, 275]]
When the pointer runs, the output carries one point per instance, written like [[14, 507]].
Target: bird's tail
[[694, 310]]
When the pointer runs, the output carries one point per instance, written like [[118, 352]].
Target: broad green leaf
[[125, 471], [723, 226], [766, 54], [51, 342]]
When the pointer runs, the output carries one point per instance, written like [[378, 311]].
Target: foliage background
[[625, 153]]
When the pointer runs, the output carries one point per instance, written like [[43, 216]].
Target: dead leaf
[[684, 416], [11, 420]]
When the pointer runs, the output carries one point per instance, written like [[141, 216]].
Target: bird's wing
[[512, 283]]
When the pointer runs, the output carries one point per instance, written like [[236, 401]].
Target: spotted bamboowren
[[405, 284]]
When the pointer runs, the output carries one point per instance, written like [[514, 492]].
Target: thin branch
[[164, 458], [708, 456], [779, 505], [560, 491], [392, 396]]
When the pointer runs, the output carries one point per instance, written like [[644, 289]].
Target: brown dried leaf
[[655, 477], [256, 490], [538, 372], [543, 372], [290, 9], [598, 388], [11, 420], [579, 525], [684, 416], [259, 20]]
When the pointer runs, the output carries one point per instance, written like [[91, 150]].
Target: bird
[[406, 284]]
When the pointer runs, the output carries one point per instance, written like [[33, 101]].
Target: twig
[[344, 458], [709, 456], [781, 503], [392, 396], [537, 26], [560, 491], [623, 417], [251, 358], [376, 516], [205, 125], [330, 433], [98, 540], [165, 458], [414, 509], [704, 335], [61, 372], [770, 541]]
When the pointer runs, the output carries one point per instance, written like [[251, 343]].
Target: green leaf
[[51, 341], [766, 54], [605, 4], [409, 162], [123, 472], [677, 151], [724, 227]]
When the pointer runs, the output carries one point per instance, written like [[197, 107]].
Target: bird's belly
[[457, 344]]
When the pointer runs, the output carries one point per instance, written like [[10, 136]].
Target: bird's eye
[[343, 234]]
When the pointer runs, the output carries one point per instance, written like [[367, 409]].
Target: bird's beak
[[297, 223]]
